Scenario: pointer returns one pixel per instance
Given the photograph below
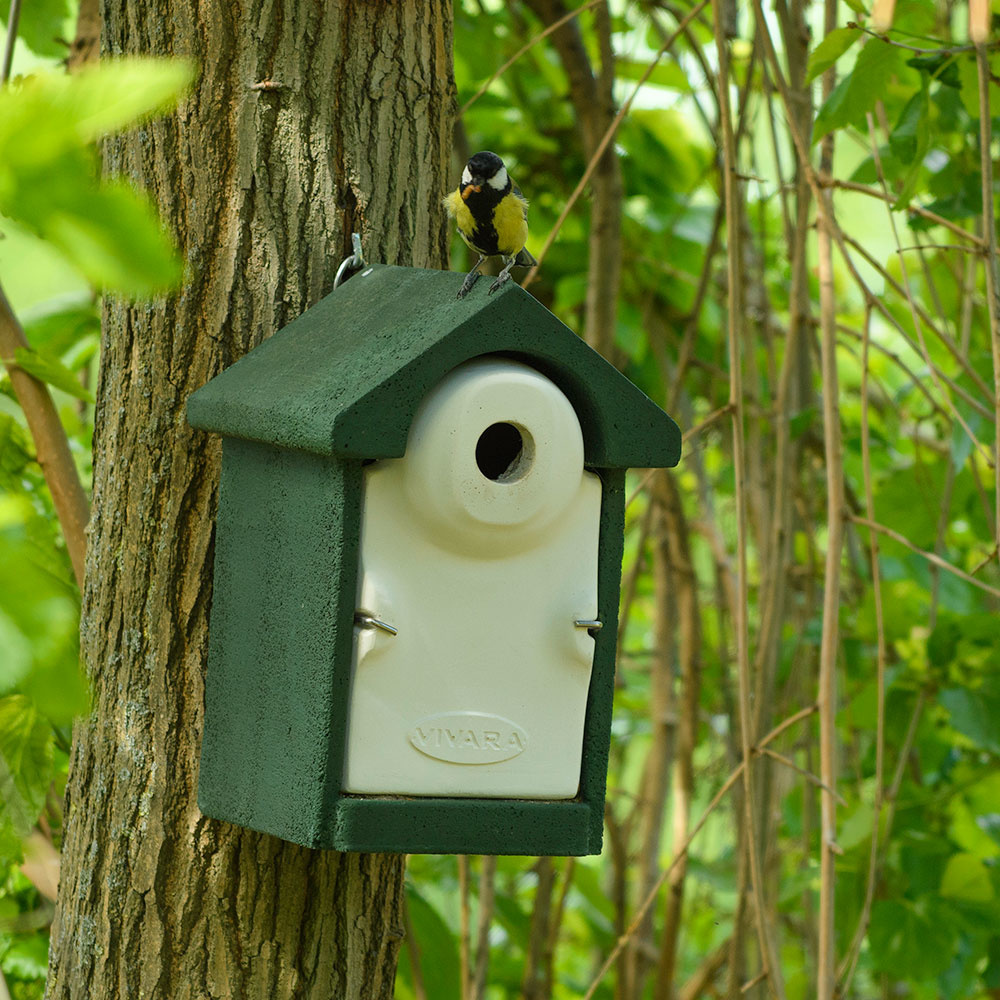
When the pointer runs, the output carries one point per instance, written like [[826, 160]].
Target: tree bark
[[308, 121]]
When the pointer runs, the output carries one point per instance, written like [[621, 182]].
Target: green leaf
[[975, 714], [435, 946], [904, 140], [26, 764], [42, 26], [830, 50], [907, 942], [98, 100], [967, 878], [858, 91], [968, 83], [667, 73], [51, 371]]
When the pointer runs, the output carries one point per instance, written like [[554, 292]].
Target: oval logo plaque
[[468, 737]]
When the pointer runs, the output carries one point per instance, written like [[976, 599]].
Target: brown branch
[[487, 895], [536, 984], [938, 220], [51, 444], [592, 99], [735, 338], [606, 140], [86, 46], [990, 231], [826, 696], [464, 975], [734, 776], [13, 18], [929, 556], [687, 615]]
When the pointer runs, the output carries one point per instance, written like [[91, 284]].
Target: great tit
[[492, 217]]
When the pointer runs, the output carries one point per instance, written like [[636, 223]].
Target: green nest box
[[417, 565]]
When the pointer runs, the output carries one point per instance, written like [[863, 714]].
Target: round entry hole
[[502, 453]]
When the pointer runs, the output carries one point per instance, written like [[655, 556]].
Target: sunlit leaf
[[967, 878], [52, 371], [26, 763], [830, 50], [42, 26]]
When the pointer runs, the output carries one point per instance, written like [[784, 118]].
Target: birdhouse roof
[[346, 377]]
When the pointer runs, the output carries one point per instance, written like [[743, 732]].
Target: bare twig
[[464, 975], [826, 697], [525, 48], [990, 232], [735, 338], [731, 780], [487, 894], [606, 140], [938, 220], [929, 556], [13, 19]]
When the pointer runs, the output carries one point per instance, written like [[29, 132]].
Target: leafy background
[[902, 314]]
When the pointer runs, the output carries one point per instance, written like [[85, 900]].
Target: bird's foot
[[502, 279], [470, 279]]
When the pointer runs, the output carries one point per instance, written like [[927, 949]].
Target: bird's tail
[[524, 259]]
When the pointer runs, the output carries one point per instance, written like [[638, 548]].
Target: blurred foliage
[[59, 215], [934, 929]]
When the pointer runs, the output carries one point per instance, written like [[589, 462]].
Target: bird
[[492, 217]]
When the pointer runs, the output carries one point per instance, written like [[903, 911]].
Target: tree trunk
[[307, 121]]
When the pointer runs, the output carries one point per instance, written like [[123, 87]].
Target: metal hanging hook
[[353, 263]]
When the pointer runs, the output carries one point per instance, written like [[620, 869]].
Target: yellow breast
[[511, 223], [459, 211]]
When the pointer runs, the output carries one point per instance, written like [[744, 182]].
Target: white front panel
[[483, 690]]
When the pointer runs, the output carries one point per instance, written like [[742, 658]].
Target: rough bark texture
[[262, 186]]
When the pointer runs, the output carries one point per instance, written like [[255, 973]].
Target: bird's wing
[[524, 201]]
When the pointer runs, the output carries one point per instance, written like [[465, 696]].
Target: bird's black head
[[485, 173]]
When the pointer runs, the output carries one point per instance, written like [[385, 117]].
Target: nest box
[[417, 566]]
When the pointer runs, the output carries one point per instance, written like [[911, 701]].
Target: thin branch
[[13, 19], [826, 696], [731, 780], [849, 964], [882, 37], [525, 48], [464, 974], [808, 775], [606, 140], [929, 556], [487, 895], [990, 232], [51, 443], [938, 220]]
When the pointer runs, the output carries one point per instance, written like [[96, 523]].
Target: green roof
[[347, 376]]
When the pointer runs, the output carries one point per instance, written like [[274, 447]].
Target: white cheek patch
[[499, 180], [466, 176]]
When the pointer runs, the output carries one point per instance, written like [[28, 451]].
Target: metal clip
[[593, 624], [370, 621], [353, 263]]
